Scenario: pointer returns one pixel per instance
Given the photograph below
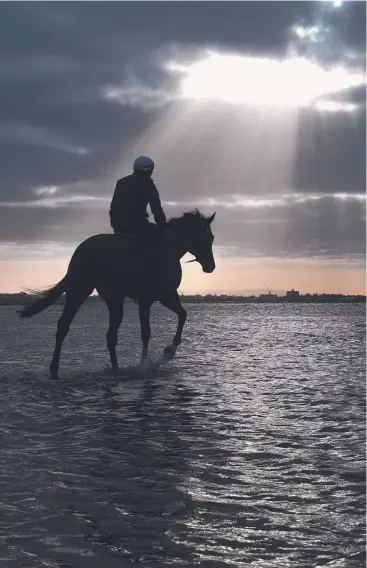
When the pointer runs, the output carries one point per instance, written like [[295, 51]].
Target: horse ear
[[211, 219]]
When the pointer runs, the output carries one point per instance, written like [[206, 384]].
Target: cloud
[[84, 87], [325, 33], [138, 95], [38, 136], [323, 228], [241, 79], [289, 226]]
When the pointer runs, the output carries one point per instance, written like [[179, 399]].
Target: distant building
[[293, 295]]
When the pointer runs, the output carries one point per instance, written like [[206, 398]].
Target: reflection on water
[[246, 450]]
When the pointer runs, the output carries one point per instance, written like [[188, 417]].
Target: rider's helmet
[[144, 164]]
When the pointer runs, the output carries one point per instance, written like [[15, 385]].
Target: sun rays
[[228, 134]]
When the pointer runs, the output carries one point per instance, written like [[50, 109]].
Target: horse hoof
[[54, 374], [169, 351]]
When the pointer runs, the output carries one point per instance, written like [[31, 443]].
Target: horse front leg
[[173, 303], [144, 316]]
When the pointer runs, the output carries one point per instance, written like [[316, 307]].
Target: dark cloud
[[326, 227], [56, 128], [102, 28], [331, 153]]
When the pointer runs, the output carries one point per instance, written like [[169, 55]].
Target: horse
[[123, 266]]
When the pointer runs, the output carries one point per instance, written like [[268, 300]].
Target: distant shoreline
[[22, 299]]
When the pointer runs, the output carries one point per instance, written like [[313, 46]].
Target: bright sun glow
[[293, 82]]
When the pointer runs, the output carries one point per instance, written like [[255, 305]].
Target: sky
[[255, 110]]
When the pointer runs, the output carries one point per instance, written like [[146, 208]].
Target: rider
[[133, 193]]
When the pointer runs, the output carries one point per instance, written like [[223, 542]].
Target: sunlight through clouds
[[46, 190], [237, 79], [335, 3], [335, 106]]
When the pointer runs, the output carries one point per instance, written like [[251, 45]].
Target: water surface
[[246, 450]]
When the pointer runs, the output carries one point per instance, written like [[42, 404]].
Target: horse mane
[[188, 216]]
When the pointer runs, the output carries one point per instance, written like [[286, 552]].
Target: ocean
[[247, 449]]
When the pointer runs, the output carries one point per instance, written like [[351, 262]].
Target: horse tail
[[43, 299]]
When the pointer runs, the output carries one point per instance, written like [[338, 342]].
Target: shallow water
[[246, 450]]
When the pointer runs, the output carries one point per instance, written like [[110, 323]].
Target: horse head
[[193, 230]]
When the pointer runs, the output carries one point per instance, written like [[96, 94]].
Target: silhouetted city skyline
[[23, 298]]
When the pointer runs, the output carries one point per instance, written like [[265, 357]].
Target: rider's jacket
[[132, 195]]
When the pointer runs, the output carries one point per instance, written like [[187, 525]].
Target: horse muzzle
[[208, 267]]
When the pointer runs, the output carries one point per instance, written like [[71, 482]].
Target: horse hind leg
[[73, 301], [144, 316], [116, 314]]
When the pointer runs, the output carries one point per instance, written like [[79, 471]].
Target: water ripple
[[246, 450]]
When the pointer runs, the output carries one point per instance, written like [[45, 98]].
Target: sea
[[245, 450]]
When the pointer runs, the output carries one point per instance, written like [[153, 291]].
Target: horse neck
[[179, 242], [179, 247]]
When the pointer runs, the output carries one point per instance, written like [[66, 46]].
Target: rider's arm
[[115, 207], [156, 207], [115, 198]]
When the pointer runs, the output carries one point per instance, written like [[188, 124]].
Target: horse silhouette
[[120, 266]]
